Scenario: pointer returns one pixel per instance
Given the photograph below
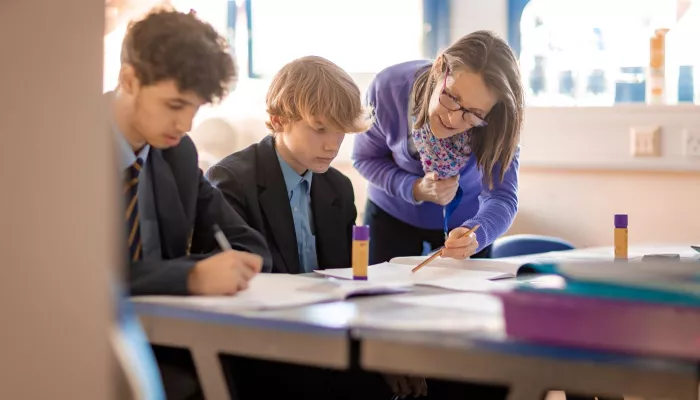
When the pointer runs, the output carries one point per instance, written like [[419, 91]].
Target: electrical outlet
[[645, 141], [691, 144]]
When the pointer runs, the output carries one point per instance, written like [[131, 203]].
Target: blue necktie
[[131, 186]]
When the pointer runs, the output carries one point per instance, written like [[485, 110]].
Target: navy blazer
[[252, 182], [187, 206]]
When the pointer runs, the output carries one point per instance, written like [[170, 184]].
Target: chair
[[519, 245], [137, 364]]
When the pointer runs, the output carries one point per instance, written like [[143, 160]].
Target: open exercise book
[[453, 278], [269, 291]]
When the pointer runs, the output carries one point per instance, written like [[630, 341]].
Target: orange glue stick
[[621, 236], [360, 252]]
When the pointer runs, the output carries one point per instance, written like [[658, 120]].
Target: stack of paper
[[443, 277], [267, 291]]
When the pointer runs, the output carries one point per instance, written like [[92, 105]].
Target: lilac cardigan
[[381, 156]]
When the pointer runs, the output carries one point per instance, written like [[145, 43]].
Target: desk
[[319, 335], [529, 370], [322, 335], [299, 335]]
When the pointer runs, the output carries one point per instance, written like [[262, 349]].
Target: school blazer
[[252, 182], [187, 206]]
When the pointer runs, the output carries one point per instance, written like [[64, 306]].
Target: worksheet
[[269, 291], [447, 278]]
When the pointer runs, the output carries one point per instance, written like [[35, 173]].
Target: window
[[361, 36], [595, 52]]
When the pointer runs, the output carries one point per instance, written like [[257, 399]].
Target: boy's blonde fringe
[[314, 89]]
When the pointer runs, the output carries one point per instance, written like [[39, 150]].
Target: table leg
[[210, 373]]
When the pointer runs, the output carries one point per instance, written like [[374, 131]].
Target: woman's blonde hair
[[313, 87], [484, 53]]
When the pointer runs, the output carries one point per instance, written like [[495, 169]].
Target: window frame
[[515, 13]]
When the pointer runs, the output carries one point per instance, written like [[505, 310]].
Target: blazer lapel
[[172, 221], [328, 220], [274, 203]]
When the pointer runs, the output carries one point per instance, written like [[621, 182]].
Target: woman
[[442, 154], [441, 157]]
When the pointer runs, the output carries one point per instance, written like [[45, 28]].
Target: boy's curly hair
[[171, 45]]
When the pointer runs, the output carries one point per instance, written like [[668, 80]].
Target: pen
[[439, 253], [221, 239]]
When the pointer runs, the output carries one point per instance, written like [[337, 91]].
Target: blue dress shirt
[[299, 194]]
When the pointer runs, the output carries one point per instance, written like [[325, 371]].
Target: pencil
[[221, 238], [439, 253]]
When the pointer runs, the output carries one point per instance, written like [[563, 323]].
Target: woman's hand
[[406, 386], [439, 191], [459, 247]]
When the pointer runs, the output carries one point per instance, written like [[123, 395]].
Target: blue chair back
[[520, 245]]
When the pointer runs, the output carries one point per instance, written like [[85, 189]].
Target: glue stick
[[360, 252], [621, 236]]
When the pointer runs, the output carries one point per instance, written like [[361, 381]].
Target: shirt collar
[[291, 178], [126, 155]]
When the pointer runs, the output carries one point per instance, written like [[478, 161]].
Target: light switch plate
[[691, 143], [645, 141]]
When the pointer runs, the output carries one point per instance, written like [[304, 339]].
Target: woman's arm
[[371, 154], [498, 205]]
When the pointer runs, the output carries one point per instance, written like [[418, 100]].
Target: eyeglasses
[[451, 104]]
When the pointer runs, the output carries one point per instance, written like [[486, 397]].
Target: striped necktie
[[131, 185]]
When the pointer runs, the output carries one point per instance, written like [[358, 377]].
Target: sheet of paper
[[402, 274], [429, 314], [267, 291], [472, 285], [509, 267], [472, 302]]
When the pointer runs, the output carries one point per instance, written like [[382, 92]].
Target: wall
[[576, 169], [55, 248]]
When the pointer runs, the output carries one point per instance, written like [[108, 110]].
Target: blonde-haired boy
[[284, 186]]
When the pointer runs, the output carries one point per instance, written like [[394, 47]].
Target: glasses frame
[[480, 122]]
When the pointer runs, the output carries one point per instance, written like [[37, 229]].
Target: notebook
[[508, 267], [271, 291], [671, 282], [448, 278], [646, 307]]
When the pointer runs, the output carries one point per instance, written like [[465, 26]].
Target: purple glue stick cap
[[360, 232], [620, 220]]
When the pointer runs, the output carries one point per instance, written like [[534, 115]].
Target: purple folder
[[639, 328]]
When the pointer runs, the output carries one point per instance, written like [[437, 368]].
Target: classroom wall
[[576, 165], [55, 248]]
